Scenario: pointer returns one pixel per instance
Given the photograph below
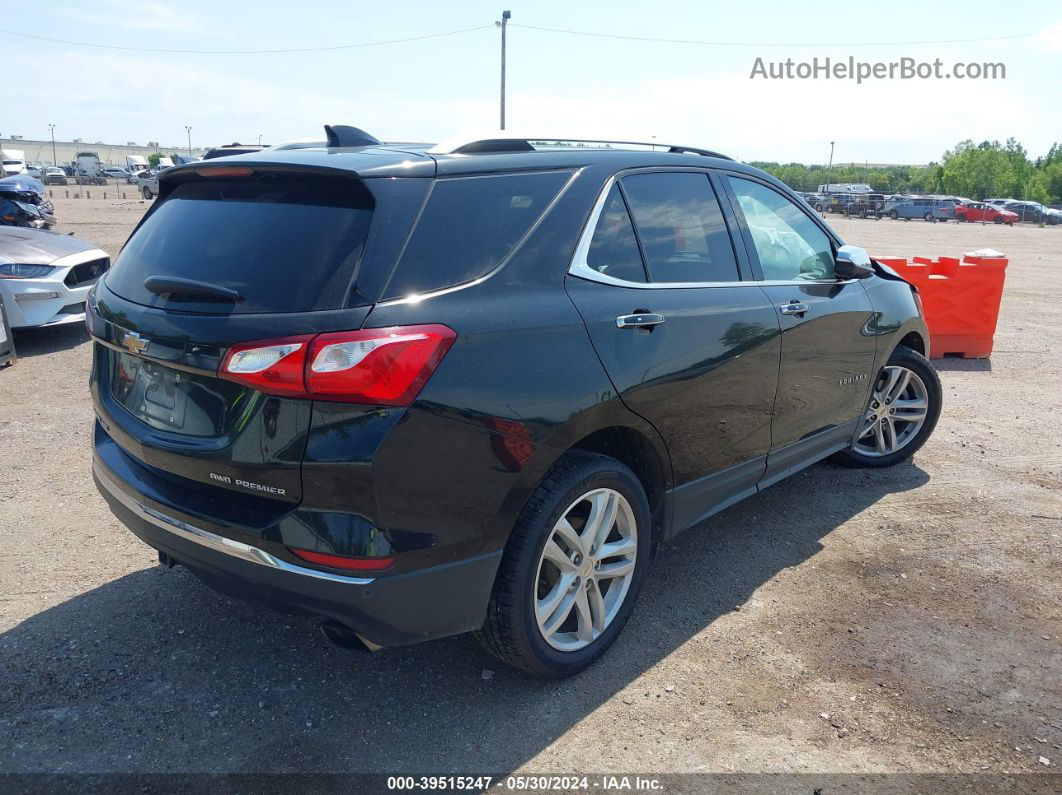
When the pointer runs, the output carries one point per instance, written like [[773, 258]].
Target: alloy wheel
[[897, 411], [585, 570]]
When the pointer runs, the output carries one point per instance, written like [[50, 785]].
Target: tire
[[962, 219], [909, 360], [512, 630], [928, 217], [146, 192], [893, 214]]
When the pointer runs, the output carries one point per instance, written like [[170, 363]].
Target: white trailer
[[134, 164], [14, 162], [88, 170]]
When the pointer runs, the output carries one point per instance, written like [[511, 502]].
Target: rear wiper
[[174, 285]]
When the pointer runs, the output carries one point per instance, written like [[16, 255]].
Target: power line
[[245, 52], [774, 43], [566, 31]]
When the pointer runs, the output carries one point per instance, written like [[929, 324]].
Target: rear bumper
[[386, 610]]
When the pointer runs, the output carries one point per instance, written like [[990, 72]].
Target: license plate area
[[169, 399]]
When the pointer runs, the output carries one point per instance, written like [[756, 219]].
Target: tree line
[[986, 170]]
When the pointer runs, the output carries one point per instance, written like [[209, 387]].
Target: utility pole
[[829, 168], [188, 130], [504, 21], [51, 129]]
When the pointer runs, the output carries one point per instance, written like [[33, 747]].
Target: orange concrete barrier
[[960, 299]]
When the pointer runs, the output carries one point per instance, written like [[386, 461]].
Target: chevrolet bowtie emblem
[[134, 342]]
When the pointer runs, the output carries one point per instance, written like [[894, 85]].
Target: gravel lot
[[842, 621]]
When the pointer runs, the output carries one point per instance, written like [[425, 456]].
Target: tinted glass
[[470, 224], [614, 248], [284, 243], [788, 243], [681, 227]]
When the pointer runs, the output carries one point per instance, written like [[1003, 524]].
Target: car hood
[[22, 183], [36, 246]]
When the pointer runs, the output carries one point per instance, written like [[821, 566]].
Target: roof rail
[[505, 141]]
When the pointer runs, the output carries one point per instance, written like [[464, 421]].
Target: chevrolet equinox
[[421, 390]]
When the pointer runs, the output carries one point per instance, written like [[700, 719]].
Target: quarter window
[[788, 243], [469, 225], [681, 227]]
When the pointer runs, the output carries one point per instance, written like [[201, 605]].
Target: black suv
[[419, 391]]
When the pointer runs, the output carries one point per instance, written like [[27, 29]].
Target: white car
[[45, 277]]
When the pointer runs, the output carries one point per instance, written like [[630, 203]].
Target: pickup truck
[[148, 184]]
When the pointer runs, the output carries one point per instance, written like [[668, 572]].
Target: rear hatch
[[223, 260]]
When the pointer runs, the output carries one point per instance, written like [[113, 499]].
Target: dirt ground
[[906, 620]]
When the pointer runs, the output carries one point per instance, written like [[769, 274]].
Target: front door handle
[[643, 320], [793, 308]]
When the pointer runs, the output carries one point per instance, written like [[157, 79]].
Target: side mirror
[[852, 262]]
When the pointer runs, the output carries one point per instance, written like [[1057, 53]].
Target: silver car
[[45, 277], [148, 184]]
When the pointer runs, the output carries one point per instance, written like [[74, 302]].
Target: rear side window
[[614, 248], [681, 227], [285, 243], [468, 226]]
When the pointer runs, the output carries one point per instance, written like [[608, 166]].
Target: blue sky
[[558, 83]]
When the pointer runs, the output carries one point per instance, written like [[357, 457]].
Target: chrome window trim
[[580, 269], [205, 538]]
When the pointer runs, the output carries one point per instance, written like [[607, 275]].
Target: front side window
[[614, 248], [681, 227], [790, 246]]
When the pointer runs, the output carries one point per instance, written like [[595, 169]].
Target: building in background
[[39, 153]]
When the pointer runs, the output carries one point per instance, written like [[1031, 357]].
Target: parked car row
[[932, 208]]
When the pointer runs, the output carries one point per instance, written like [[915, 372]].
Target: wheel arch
[[915, 341], [635, 450]]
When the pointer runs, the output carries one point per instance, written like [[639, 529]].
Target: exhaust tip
[[346, 638]]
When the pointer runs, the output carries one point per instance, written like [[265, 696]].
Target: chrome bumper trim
[[205, 538]]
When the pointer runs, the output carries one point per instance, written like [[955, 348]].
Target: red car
[[979, 211]]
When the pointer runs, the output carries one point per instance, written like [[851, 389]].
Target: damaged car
[[24, 202]]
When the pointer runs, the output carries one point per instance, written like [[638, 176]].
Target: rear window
[[469, 225], [284, 242]]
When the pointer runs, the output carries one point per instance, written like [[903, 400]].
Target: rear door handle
[[639, 321], [793, 308]]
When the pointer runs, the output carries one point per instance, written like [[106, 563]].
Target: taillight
[[379, 366], [388, 366], [272, 366], [342, 561]]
